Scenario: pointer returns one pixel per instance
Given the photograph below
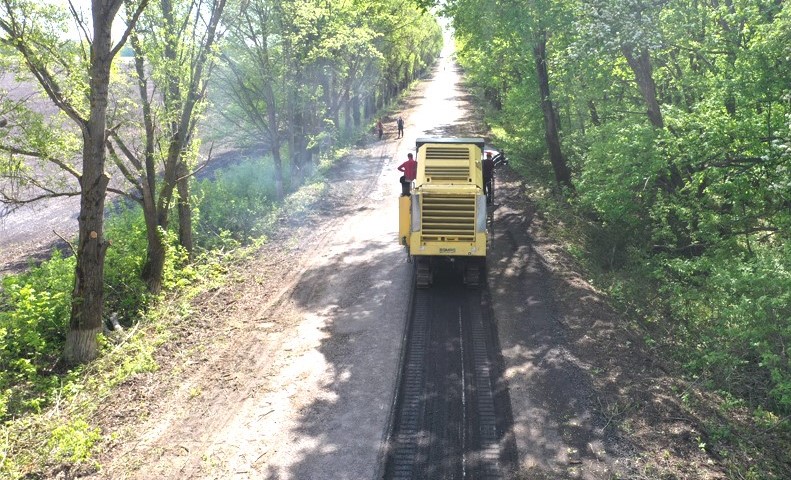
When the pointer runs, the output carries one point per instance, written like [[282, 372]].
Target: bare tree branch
[[42, 74], [201, 166], [130, 26], [73, 250], [18, 201], [134, 180], [63, 165], [81, 25], [126, 150], [123, 194]]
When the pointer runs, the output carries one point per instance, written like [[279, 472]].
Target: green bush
[[618, 172], [73, 442], [36, 308], [234, 206], [33, 322], [125, 292], [735, 311]]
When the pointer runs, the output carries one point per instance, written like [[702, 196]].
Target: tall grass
[[231, 209], [234, 206]]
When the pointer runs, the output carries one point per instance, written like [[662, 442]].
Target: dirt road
[[289, 372]]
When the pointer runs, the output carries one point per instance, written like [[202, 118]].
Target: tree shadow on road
[[360, 292], [590, 400]]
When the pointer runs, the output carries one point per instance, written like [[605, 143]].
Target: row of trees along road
[[668, 124], [290, 76]]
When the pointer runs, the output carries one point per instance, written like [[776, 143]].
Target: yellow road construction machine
[[444, 218]]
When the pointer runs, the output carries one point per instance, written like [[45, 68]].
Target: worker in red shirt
[[410, 172]]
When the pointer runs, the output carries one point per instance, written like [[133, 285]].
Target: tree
[[675, 117], [527, 27], [551, 123], [24, 28], [173, 54], [632, 28], [256, 77], [297, 73], [407, 48]]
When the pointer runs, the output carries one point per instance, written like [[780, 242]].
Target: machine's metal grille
[[437, 172], [448, 153], [447, 163], [448, 218]]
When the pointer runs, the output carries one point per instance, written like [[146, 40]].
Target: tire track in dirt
[[208, 398]]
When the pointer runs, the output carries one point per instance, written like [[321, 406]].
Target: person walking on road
[[400, 125], [380, 128], [410, 172]]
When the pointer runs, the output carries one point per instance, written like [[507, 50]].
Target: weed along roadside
[[51, 413]]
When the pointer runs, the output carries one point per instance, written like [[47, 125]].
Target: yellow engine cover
[[403, 220], [445, 215], [444, 226]]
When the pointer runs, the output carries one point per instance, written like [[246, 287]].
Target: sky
[[84, 7]]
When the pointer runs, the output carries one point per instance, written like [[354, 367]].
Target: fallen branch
[[73, 250]]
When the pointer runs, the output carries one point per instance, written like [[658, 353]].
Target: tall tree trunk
[[559, 165], [330, 99], [185, 209], [348, 121], [732, 37], [154, 266], [181, 103], [644, 76], [291, 135], [298, 146], [356, 110], [278, 161], [594, 114], [369, 106], [335, 102], [87, 298]]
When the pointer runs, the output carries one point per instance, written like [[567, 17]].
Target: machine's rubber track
[[472, 274], [423, 273], [406, 441], [453, 413]]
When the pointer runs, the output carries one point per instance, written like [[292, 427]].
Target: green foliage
[[31, 440], [522, 118], [73, 442], [125, 292], [362, 46], [235, 205], [682, 217], [736, 312], [703, 198], [32, 326], [36, 308], [616, 173], [304, 74]]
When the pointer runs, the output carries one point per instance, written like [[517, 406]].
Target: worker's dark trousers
[[405, 185]]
